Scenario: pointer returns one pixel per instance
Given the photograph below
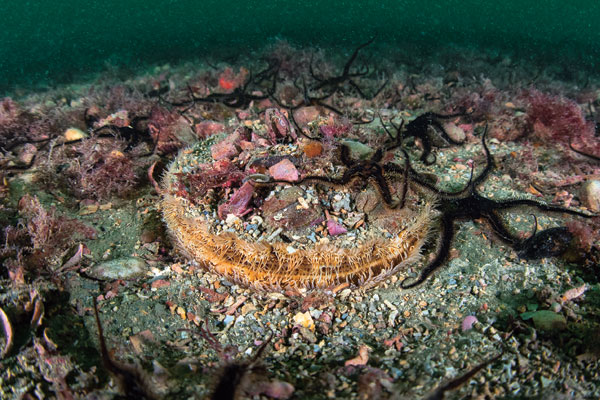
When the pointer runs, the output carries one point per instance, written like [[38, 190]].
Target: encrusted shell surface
[[270, 265]]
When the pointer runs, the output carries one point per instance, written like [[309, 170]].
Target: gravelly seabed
[[386, 342]]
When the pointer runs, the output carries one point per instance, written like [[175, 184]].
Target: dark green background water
[[53, 41]]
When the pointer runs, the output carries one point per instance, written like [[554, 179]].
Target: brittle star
[[334, 83], [468, 204]]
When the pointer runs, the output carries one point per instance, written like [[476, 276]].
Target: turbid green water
[[56, 41]]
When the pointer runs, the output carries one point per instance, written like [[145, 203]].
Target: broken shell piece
[[38, 313], [259, 178], [73, 134], [75, 258], [335, 228], [50, 344], [119, 268], [8, 333], [362, 358]]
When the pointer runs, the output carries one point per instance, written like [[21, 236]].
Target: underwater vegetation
[[299, 224]]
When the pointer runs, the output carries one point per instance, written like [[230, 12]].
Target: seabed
[[83, 195]]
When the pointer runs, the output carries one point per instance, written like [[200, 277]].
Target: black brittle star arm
[[440, 392], [591, 156]]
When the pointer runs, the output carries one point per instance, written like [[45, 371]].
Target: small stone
[[291, 249], [590, 195], [248, 307], [303, 203], [159, 283], [27, 153], [233, 220], [284, 170], [545, 381], [226, 148], [148, 236], [340, 203], [455, 132], [353, 219], [358, 150], [306, 115], [366, 201], [547, 320], [206, 129], [239, 202], [119, 268], [467, 323], [305, 320]]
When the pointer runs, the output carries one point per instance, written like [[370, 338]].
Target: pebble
[[467, 323], [233, 220], [284, 170], [549, 321], [304, 320], [341, 202], [27, 153], [455, 132], [358, 150], [303, 203], [273, 235], [226, 148], [366, 201], [306, 115]]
